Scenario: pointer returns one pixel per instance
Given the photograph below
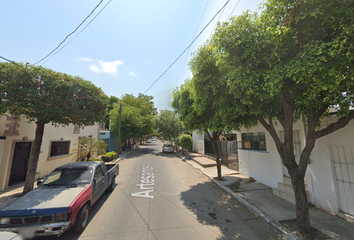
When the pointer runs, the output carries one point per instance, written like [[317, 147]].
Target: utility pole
[[120, 120]]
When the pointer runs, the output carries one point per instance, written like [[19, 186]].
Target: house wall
[[266, 167], [198, 143], [26, 133]]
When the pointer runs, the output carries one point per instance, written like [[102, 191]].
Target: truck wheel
[[81, 219], [113, 184]]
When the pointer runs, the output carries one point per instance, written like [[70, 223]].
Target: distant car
[[148, 141], [167, 148]]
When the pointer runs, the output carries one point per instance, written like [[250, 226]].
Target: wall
[[26, 133], [198, 143], [266, 167]]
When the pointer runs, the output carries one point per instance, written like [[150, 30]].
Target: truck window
[[98, 173]]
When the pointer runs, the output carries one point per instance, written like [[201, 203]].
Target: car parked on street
[[167, 148], [62, 201], [148, 141]]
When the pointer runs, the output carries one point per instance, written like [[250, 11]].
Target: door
[[343, 159], [20, 163], [101, 183]]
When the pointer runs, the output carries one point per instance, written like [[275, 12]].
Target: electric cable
[[233, 9], [185, 59], [187, 47], [9, 60], [78, 33], [163, 93], [70, 33]]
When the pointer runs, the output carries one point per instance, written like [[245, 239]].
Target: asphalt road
[[181, 203]]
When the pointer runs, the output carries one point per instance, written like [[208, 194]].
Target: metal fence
[[227, 151]]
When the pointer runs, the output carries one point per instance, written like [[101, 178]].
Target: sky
[[125, 48]]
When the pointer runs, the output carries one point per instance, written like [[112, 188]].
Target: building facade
[[16, 137]]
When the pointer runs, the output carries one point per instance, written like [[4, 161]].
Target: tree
[[204, 102], [88, 146], [44, 96], [185, 141], [168, 125], [293, 61], [111, 101], [138, 116]]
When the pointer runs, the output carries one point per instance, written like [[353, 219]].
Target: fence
[[227, 151]]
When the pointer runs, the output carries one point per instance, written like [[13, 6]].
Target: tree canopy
[[45, 96], [168, 125]]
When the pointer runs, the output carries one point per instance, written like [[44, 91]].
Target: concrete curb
[[263, 216]]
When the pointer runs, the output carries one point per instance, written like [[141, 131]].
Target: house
[[330, 173], [16, 137], [198, 142]]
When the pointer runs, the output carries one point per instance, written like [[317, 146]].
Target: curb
[[256, 211]]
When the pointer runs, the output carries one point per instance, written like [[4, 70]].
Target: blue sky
[[125, 48]]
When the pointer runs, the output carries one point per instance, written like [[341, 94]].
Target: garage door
[[343, 159]]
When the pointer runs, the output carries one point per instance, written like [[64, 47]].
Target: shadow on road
[[71, 235], [233, 220]]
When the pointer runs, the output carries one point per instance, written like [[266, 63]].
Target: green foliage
[[185, 141], [87, 147], [111, 101], [138, 116], [168, 125], [93, 159], [111, 155]]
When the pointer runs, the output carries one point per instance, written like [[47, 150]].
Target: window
[[253, 141], [59, 148], [98, 173]]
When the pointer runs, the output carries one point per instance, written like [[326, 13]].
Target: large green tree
[[168, 125], [44, 96], [204, 103], [292, 61]]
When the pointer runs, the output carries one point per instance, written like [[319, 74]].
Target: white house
[[330, 174], [16, 137], [198, 142]]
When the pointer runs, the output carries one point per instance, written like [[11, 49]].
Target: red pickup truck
[[62, 201]]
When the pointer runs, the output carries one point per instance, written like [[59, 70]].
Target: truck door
[[99, 184]]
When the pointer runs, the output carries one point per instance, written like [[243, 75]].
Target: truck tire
[[81, 219], [112, 185]]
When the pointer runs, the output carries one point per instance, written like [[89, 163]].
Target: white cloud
[[94, 68], [86, 59], [107, 67], [132, 74]]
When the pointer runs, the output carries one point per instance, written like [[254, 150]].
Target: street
[[159, 196]]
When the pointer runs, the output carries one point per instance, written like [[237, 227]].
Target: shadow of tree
[[215, 208]]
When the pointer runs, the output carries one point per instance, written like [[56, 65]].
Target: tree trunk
[[33, 159], [302, 210], [218, 163]]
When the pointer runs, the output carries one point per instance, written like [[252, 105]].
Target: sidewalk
[[11, 194], [260, 200]]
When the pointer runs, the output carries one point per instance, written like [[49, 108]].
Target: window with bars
[[59, 148], [253, 141]]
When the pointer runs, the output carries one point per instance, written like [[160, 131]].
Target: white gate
[[343, 159]]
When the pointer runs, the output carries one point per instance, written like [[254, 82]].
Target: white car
[[148, 141], [167, 148], [9, 236]]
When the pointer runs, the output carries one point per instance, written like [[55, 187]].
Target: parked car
[[167, 148], [148, 141], [62, 201]]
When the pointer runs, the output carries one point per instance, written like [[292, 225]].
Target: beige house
[[16, 137]]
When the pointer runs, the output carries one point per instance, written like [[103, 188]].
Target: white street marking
[[147, 182]]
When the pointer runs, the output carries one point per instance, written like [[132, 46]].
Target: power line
[[9, 60], [163, 92], [234, 9], [185, 59], [71, 33], [78, 33], [187, 47]]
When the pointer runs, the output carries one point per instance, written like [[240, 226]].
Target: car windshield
[[69, 177], [168, 145]]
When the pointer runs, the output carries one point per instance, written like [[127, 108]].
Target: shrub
[[186, 141], [105, 158], [111, 155], [93, 159]]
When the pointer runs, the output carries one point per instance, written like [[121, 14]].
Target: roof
[[83, 165]]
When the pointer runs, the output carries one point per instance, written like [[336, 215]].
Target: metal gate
[[343, 159], [20, 162], [227, 152]]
